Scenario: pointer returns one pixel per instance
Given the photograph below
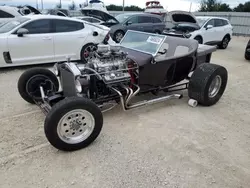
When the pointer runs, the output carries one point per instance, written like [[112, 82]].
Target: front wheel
[[30, 81], [73, 124], [207, 84]]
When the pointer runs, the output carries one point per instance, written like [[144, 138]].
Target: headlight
[[55, 70], [78, 86], [188, 35]]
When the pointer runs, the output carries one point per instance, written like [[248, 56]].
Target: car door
[[34, 47], [146, 23], [219, 26], [69, 37], [209, 34], [133, 24]]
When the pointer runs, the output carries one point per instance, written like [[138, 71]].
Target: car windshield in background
[[144, 42], [122, 17], [201, 21], [8, 26]]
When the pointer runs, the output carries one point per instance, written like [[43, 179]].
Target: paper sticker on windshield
[[16, 22], [154, 39]]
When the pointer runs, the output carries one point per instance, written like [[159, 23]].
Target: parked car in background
[[8, 13], [39, 39], [107, 19], [144, 22], [58, 12], [247, 51], [204, 29], [90, 19]]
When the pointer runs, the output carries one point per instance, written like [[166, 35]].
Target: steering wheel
[[164, 52]]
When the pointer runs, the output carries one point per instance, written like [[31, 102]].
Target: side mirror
[[128, 23], [22, 31], [209, 27], [95, 34]]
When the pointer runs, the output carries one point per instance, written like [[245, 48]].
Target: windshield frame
[[145, 33], [12, 22], [204, 20]]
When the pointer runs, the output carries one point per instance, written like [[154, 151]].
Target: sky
[[168, 4]]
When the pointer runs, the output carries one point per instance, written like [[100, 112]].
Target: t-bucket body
[[162, 60]]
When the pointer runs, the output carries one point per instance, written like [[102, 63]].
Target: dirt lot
[[163, 145]]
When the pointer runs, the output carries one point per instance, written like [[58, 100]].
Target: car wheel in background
[[224, 43], [207, 84], [118, 36], [199, 39], [247, 54], [87, 52]]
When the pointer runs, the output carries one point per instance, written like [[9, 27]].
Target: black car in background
[[119, 25], [144, 22], [247, 51]]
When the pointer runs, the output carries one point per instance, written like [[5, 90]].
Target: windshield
[[122, 17], [8, 26], [201, 21], [144, 42]]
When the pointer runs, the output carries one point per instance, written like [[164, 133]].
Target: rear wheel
[[30, 81], [224, 43], [87, 52], [73, 124], [207, 84], [118, 36]]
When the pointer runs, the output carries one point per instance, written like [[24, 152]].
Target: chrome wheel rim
[[89, 52], [215, 86], [119, 37], [225, 42], [75, 126]]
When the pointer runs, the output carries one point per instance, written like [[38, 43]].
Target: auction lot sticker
[[154, 39]]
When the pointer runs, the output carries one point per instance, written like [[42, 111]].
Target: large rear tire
[[30, 81], [73, 124], [207, 84]]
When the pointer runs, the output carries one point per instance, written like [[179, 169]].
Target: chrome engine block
[[111, 63]]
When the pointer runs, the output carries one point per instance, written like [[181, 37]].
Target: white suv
[[213, 30], [206, 30]]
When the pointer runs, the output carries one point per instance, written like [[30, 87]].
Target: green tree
[[213, 6], [113, 7], [243, 7]]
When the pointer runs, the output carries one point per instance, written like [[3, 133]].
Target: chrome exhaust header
[[131, 94]]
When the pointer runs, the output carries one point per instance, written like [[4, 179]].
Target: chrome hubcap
[[225, 42], [215, 86], [89, 52], [75, 126], [119, 37]]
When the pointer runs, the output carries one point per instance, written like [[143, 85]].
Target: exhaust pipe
[[126, 106]]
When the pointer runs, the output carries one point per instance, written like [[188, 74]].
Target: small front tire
[[30, 81], [73, 124], [207, 84]]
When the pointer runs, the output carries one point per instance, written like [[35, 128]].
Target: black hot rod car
[[75, 95]]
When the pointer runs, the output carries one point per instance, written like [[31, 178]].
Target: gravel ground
[[163, 145]]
